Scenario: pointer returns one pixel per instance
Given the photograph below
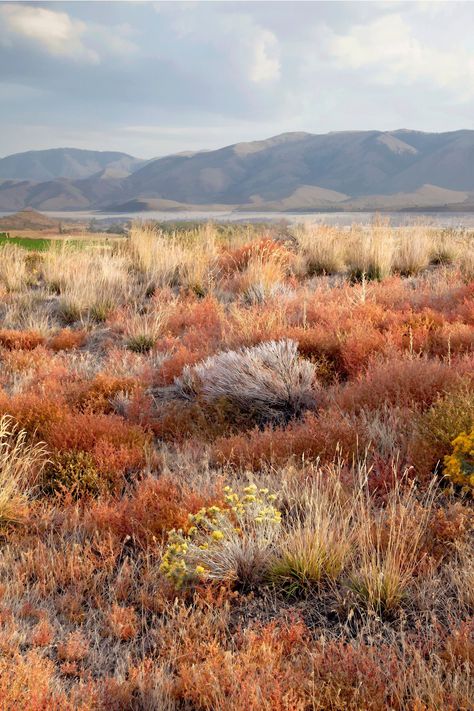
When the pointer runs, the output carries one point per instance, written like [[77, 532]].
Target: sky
[[154, 78]]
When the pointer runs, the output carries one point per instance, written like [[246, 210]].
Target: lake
[[342, 219]]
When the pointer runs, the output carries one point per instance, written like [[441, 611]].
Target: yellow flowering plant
[[231, 542], [459, 465]]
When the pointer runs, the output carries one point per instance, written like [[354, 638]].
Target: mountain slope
[[293, 171], [355, 164], [69, 163]]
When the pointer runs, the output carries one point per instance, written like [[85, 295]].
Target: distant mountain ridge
[[359, 170], [72, 163]]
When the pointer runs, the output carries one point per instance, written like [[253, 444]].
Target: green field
[[36, 245], [41, 244]]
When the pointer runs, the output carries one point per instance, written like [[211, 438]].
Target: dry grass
[[321, 247], [90, 283], [320, 539], [370, 252], [13, 269], [174, 259], [389, 545], [20, 465], [414, 249]]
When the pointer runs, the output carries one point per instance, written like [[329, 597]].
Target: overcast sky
[[162, 77]]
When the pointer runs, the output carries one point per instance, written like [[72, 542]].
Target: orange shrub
[[75, 648], [400, 381], [236, 260], [66, 340], [202, 315], [42, 634], [269, 669], [122, 622], [96, 395], [174, 364], [20, 340], [359, 346]]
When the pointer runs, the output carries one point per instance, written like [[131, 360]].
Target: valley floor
[[236, 470]]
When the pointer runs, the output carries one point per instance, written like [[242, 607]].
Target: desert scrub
[[435, 429], [232, 543], [74, 472], [268, 382], [459, 466], [369, 253]]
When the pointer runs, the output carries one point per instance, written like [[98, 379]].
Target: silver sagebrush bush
[[269, 381]]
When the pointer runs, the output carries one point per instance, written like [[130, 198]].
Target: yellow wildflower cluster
[[256, 503], [188, 555], [459, 466]]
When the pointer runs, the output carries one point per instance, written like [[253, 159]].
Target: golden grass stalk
[[20, 464], [174, 259], [413, 248], [370, 251], [389, 542], [321, 248], [142, 329], [319, 541], [13, 271], [90, 282]]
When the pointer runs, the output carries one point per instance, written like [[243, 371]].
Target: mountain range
[[351, 170]]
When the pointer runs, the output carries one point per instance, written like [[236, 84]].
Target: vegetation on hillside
[[236, 471]]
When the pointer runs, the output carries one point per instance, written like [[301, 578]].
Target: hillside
[[28, 219], [354, 170], [72, 163]]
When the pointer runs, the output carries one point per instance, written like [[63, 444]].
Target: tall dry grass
[[412, 249], [389, 544], [13, 270], [20, 465], [320, 537], [321, 248], [370, 252], [175, 259], [90, 282]]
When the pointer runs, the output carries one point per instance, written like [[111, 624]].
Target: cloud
[[54, 32], [266, 65], [158, 79], [246, 47], [59, 35], [390, 48]]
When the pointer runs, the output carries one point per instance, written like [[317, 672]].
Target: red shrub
[[96, 395], [204, 315], [402, 382], [154, 508], [360, 344], [319, 435], [237, 259], [173, 366], [122, 622]]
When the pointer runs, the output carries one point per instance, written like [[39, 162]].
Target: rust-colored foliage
[[150, 511], [20, 340], [66, 340]]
